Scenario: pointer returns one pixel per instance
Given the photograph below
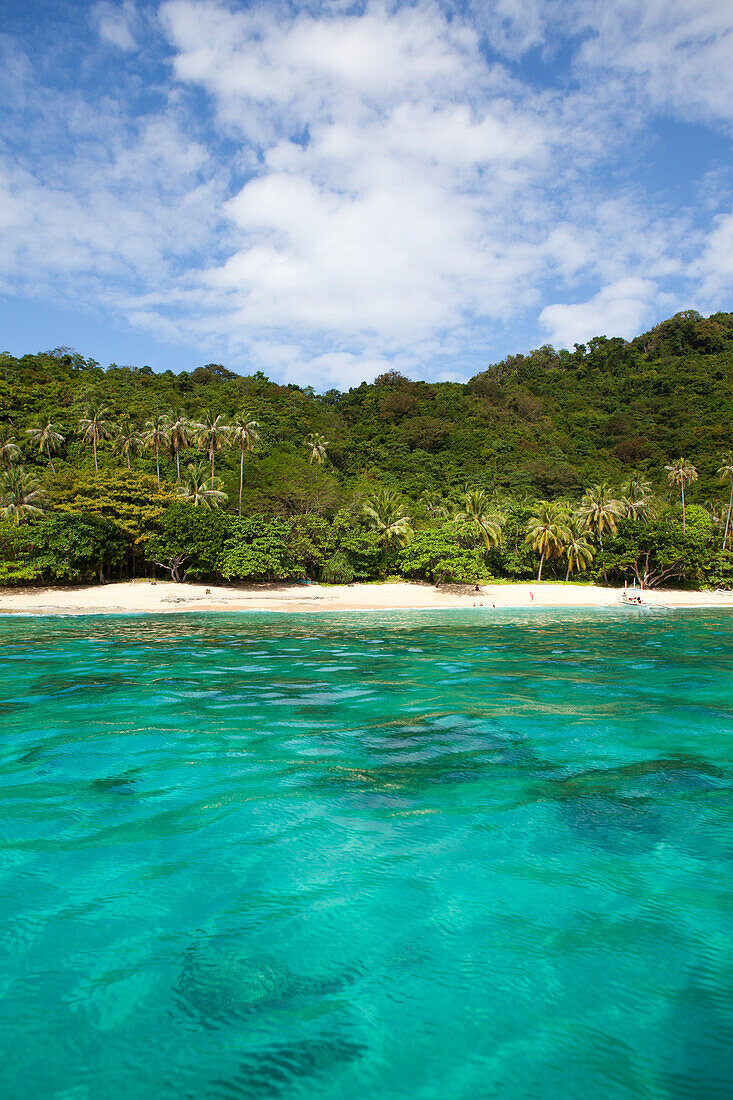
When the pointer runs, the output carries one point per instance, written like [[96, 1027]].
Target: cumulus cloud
[[324, 192], [619, 309]]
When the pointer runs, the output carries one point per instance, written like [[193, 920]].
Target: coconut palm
[[547, 531], [680, 472], [477, 513], [128, 441], [316, 444], [245, 434], [387, 515], [434, 504], [20, 495], [212, 434], [600, 510], [725, 473], [157, 434], [48, 439], [9, 449], [95, 426], [636, 498], [179, 436], [200, 489], [576, 549]]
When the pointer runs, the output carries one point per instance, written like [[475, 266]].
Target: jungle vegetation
[[609, 462]]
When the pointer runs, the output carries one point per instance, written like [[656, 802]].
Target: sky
[[325, 191]]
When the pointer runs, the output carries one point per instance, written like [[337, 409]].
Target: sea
[[437, 855]]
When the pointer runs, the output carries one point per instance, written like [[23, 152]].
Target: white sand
[[165, 596]]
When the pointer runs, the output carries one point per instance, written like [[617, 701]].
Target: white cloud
[[399, 195], [619, 309], [114, 23], [391, 194], [678, 53], [715, 266]]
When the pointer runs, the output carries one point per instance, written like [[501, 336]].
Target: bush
[[337, 570]]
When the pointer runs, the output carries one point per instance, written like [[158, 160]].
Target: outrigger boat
[[630, 597]]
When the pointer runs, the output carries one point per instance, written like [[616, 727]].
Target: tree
[[189, 536], [600, 511], [48, 439], [95, 427], [20, 495], [316, 444], [576, 549], [179, 435], [262, 548], [725, 473], [547, 531], [658, 551], [200, 489], [436, 554], [212, 434], [477, 513], [387, 515], [128, 441], [636, 498], [245, 434], [9, 449], [680, 472], [434, 504], [157, 435]]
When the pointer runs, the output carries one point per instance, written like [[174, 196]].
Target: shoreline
[[166, 597]]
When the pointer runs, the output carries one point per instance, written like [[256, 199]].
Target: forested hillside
[[107, 471]]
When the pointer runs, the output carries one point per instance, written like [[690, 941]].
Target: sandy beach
[[163, 597]]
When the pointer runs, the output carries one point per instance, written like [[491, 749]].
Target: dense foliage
[[609, 462]]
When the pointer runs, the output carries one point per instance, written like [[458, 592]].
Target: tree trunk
[[178, 466], [682, 490], [542, 562], [48, 452], [567, 575], [94, 447], [241, 478], [727, 521], [157, 461], [212, 464], [127, 456]]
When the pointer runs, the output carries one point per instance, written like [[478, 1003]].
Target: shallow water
[[417, 854]]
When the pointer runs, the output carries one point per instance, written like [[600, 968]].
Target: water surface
[[443, 856]]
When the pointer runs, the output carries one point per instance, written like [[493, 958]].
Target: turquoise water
[[419, 854]]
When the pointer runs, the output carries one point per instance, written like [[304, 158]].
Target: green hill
[[541, 426]]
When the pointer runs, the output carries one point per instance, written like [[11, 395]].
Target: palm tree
[[576, 549], [680, 472], [434, 504], [20, 495], [316, 444], [636, 498], [95, 427], [387, 515], [244, 435], [547, 531], [725, 473], [9, 449], [212, 435], [179, 435], [156, 435], [600, 510], [47, 438], [200, 489], [128, 441], [476, 513]]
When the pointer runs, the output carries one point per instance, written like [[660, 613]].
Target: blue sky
[[327, 190]]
